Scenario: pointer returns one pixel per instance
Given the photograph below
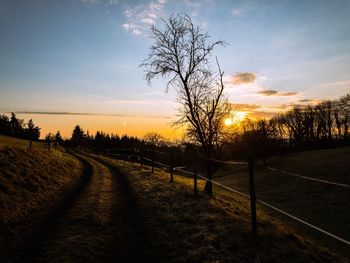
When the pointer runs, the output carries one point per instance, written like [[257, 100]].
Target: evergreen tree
[[32, 132], [78, 136], [58, 137]]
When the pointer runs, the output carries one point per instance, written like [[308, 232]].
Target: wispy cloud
[[242, 78], [309, 101], [276, 93], [140, 102], [140, 17], [267, 92], [106, 2], [304, 100], [336, 83], [244, 106], [236, 12], [90, 114]]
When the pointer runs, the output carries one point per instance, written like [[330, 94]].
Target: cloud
[[276, 93], [244, 106], [243, 78], [236, 12], [141, 17], [336, 83], [140, 101], [106, 2], [90, 114], [304, 100], [256, 115], [267, 92]]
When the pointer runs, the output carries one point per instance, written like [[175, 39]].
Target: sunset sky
[[60, 58]]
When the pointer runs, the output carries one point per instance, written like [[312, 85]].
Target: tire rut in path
[[132, 242], [99, 223], [43, 225]]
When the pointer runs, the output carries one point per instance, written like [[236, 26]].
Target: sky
[[77, 61]]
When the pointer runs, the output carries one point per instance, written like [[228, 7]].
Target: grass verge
[[31, 181], [185, 228]]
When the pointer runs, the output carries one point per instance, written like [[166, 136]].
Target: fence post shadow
[[153, 159], [171, 165], [252, 194]]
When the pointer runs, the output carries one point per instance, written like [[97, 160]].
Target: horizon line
[[88, 114]]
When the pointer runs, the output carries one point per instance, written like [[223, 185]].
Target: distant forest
[[18, 128], [323, 125]]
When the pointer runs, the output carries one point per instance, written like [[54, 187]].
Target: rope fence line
[[162, 153], [225, 187], [304, 222], [155, 162], [306, 177], [258, 200], [225, 162], [278, 210], [185, 172]]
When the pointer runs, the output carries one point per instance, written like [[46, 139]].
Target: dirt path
[[101, 224]]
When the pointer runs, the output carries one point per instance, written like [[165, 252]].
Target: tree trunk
[[346, 127], [209, 185]]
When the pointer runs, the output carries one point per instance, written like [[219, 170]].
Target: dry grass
[[185, 228], [31, 179], [325, 206]]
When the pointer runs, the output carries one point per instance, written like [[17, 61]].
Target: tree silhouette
[[78, 136], [181, 52], [154, 139], [58, 137], [48, 139], [33, 132], [16, 126], [4, 125]]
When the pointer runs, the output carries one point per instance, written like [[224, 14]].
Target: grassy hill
[[201, 229], [326, 206], [31, 180]]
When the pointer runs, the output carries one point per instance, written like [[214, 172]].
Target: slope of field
[[185, 228], [31, 180], [330, 164], [324, 205]]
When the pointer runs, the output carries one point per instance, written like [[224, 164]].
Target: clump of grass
[[185, 228]]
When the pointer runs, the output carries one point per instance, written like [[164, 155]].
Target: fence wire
[[182, 169], [306, 177]]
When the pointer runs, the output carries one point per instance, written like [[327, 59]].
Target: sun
[[228, 121], [236, 118]]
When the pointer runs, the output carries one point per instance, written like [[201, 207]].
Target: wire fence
[[168, 162]]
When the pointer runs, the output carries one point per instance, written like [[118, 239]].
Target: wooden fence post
[[141, 157], [153, 159], [252, 194], [171, 166], [195, 182]]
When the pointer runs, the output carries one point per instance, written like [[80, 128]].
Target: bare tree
[[181, 52], [154, 139], [344, 104]]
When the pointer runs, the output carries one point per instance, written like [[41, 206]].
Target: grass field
[[202, 229], [178, 226], [30, 181], [326, 206]]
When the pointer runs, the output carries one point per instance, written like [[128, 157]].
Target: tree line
[[18, 128], [325, 124], [101, 139]]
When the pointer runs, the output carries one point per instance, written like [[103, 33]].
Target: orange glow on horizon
[[235, 118], [132, 126]]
